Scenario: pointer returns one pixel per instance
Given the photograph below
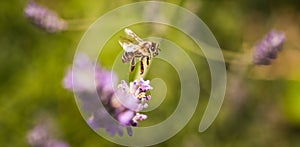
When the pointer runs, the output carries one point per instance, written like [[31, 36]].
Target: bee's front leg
[[132, 65]]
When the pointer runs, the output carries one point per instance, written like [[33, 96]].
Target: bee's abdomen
[[127, 56]]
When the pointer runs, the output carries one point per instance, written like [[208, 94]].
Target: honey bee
[[135, 47]]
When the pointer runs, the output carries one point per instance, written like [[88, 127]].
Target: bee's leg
[[148, 58], [132, 65], [142, 66]]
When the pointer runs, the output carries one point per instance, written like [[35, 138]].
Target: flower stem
[[79, 24]]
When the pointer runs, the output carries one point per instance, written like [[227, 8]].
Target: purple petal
[[125, 117], [140, 117], [145, 85], [128, 100], [67, 81]]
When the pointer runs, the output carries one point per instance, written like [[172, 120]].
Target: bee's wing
[[128, 45], [132, 36]]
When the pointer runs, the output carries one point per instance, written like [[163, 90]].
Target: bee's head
[[154, 49]]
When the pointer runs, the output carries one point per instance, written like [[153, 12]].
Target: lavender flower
[[56, 143], [267, 49], [135, 92], [100, 119], [40, 136], [83, 82], [44, 18], [120, 104]]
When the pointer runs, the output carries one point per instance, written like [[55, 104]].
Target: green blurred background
[[261, 107]]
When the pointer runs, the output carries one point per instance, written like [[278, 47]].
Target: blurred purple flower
[[120, 104], [82, 81], [44, 18], [100, 119], [267, 49], [56, 143], [40, 136]]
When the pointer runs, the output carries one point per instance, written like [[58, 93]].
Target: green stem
[[79, 24]]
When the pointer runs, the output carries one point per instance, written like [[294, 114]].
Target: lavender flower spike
[[120, 104], [40, 136], [44, 18], [267, 49]]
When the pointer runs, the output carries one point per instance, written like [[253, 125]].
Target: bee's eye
[[152, 48], [153, 45]]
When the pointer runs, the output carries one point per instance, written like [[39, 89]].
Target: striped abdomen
[[127, 57]]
